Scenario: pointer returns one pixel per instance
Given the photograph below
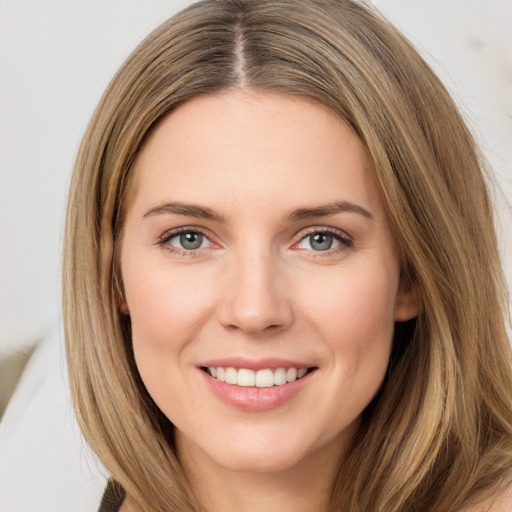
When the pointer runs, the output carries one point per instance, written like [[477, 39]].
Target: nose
[[255, 298]]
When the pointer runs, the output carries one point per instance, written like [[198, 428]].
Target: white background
[[55, 60]]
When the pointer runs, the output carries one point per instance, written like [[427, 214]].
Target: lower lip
[[256, 399]]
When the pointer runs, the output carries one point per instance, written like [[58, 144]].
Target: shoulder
[[501, 501], [128, 506]]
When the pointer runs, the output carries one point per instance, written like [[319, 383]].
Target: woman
[[281, 283]]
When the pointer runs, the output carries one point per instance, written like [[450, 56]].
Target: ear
[[124, 307], [407, 304]]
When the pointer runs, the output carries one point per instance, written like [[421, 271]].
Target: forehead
[[257, 147]]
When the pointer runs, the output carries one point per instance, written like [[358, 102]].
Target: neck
[[305, 487]]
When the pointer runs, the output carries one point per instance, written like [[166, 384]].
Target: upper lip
[[255, 364]]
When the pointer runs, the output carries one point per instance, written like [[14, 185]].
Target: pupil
[[191, 240], [320, 241]]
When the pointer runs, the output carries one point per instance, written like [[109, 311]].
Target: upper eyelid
[[323, 229], [163, 239], [184, 229]]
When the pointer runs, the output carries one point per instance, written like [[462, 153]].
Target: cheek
[[357, 308], [166, 311], [358, 328], [157, 296], [355, 316]]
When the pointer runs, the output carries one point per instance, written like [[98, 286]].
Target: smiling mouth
[[265, 378]]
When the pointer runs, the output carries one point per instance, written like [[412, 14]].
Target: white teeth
[[261, 379], [246, 377], [291, 374], [264, 379], [231, 376], [280, 377]]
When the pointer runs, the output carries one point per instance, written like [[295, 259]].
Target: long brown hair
[[438, 435]]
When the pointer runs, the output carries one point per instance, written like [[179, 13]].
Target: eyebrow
[[201, 212], [329, 209], [189, 210]]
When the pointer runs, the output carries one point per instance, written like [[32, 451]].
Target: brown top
[[113, 497]]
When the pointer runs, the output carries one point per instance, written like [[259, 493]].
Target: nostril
[[254, 313]]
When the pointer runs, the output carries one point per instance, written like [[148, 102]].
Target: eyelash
[[167, 236], [345, 240]]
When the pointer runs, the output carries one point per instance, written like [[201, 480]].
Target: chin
[[250, 461], [265, 450]]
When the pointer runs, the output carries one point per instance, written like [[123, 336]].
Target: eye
[[187, 240], [321, 241]]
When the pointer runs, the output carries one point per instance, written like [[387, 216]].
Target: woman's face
[[256, 249]]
